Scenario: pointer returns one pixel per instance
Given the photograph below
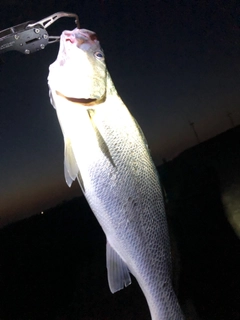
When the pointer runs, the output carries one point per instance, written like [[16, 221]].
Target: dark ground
[[52, 266]]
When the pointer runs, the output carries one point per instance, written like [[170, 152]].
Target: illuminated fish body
[[106, 151]]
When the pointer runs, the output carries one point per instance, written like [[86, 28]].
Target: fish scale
[[106, 151]]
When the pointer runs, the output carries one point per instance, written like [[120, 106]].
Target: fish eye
[[99, 55]]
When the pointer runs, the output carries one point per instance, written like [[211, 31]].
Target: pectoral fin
[[101, 142], [118, 273], [71, 170], [141, 132]]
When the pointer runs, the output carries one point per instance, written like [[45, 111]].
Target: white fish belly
[[122, 187]]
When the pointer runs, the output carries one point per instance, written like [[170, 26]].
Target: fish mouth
[[79, 36]]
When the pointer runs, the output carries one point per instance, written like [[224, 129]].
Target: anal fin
[[118, 273]]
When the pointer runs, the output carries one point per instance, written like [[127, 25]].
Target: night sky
[[173, 62]]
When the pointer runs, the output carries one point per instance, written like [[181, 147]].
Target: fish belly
[[121, 185]]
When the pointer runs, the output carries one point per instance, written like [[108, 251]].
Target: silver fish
[[106, 151]]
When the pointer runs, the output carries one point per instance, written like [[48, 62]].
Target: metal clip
[[46, 22], [30, 36]]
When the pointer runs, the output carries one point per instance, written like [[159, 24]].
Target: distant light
[[42, 212]]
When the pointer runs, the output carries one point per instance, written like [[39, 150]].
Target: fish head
[[79, 72]]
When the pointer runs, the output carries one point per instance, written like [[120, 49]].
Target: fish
[[106, 151]]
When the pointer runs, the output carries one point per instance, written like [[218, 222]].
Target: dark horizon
[[68, 194]]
